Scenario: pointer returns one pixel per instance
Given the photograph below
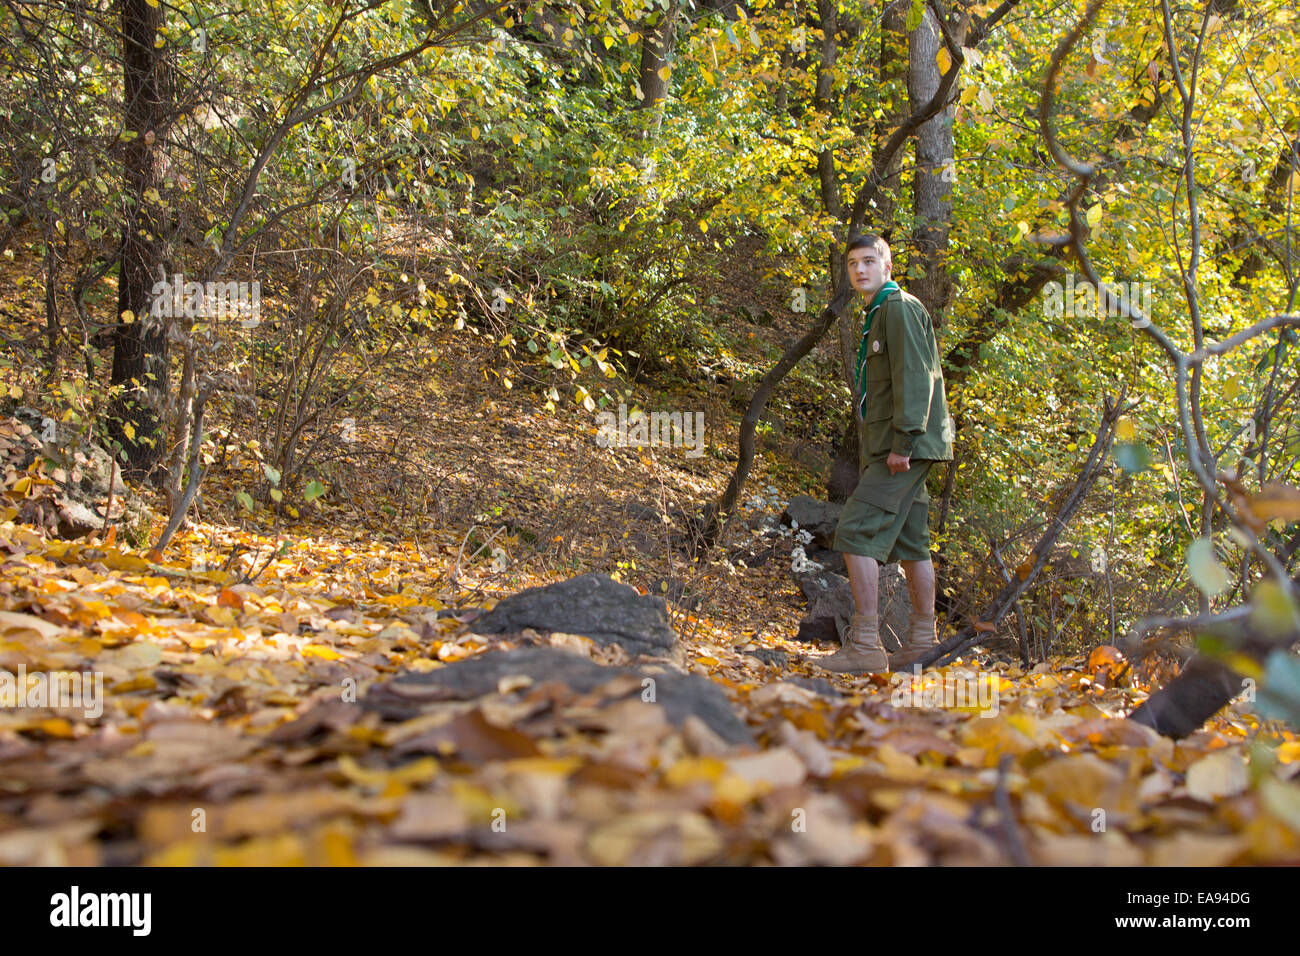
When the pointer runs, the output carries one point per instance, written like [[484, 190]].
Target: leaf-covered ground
[[234, 666]]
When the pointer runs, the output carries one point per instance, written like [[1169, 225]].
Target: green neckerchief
[[876, 303]]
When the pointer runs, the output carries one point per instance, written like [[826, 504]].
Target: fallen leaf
[[1221, 774]]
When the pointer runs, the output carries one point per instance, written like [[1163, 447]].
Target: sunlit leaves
[[1204, 568]]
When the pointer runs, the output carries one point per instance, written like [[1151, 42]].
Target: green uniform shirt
[[901, 382]]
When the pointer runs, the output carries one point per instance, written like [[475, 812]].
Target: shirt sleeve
[[909, 370]]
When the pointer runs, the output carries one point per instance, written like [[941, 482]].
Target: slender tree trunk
[[932, 211], [935, 172], [660, 36], [140, 340]]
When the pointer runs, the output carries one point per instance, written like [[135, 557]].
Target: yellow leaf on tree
[[1277, 501]]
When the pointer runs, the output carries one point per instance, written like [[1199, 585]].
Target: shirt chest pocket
[[876, 383], [875, 365]]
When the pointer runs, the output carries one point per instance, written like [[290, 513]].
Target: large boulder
[[817, 517], [681, 695], [593, 605]]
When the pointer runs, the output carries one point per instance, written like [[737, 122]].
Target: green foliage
[[504, 184]]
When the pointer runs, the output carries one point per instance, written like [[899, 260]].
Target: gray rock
[[817, 517], [895, 606], [755, 555], [93, 464], [814, 584], [593, 605], [832, 561], [73, 506], [75, 520], [817, 685], [681, 695], [769, 655]]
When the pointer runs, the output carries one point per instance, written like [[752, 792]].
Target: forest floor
[[235, 667]]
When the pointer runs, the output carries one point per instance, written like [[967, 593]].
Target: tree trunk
[[932, 183], [656, 46], [140, 340]]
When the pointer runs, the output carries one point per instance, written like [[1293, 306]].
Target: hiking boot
[[921, 637], [862, 652]]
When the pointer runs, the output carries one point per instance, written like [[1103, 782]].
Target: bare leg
[[920, 584], [860, 649], [864, 579]]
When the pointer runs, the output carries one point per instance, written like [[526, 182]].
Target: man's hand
[[897, 463]]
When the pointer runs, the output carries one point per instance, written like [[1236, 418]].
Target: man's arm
[[909, 369]]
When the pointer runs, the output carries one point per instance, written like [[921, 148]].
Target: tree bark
[[932, 181], [656, 46], [139, 339]]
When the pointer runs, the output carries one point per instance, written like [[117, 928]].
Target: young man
[[900, 383]]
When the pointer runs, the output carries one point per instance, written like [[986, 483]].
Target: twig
[[112, 480], [1015, 843], [281, 550], [455, 571]]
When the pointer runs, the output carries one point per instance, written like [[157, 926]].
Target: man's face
[[868, 270]]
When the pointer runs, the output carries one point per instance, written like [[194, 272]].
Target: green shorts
[[887, 518]]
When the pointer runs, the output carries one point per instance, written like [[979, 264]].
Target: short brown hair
[[870, 240]]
